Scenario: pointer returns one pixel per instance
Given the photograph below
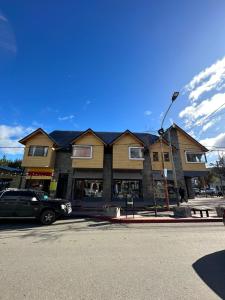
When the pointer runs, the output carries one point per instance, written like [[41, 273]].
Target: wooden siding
[[96, 162], [157, 165], [121, 153], [188, 144], [39, 139]]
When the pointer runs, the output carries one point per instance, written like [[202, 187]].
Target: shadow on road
[[211, 269], [30, 226]]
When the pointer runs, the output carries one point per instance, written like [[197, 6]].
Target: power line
[[206, 117]]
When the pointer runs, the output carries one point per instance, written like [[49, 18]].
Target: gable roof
[[39, 130], [89, 130], [188, 136], [126, 132], [164, 141]]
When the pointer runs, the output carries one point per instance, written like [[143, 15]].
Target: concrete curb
[[151, 220]]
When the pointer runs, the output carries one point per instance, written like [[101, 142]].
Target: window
[[192, 157], [125, 188], [38, 151], [136, 153], [166, 156], [82, 151], [155, 156], [10, 195], [88, 188]]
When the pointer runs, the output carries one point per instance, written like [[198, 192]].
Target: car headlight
[[63, 206]]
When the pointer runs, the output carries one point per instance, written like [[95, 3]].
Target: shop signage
[[40, 172]]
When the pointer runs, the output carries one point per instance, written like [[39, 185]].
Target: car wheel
[[47, 217]]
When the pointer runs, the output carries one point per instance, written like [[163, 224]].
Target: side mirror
[[33, 199]]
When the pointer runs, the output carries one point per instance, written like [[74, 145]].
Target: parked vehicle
[[21, 203], [207, 192], [224, 217]]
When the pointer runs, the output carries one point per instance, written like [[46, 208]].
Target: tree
[[16, 163]]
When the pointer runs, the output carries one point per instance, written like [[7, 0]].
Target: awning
[[195, 173]]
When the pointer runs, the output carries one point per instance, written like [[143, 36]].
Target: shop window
[[155, 156], [166, 156], [195, 157], [136, 153], [127, 188], [80, 151], [88, 188], [38, 151]]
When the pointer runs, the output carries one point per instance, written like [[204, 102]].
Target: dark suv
[[32, 203]]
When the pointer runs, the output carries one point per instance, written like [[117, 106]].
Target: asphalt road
[[83, 259]]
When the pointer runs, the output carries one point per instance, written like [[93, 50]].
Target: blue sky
[[111, 65]]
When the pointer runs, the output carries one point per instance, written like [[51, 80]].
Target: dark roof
[[10, 169], [64, 138]]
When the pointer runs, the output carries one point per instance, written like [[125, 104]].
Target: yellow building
[[89, 167]]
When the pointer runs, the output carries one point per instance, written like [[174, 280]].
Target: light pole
[[161, 133]]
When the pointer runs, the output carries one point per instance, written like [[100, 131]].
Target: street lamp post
[[161, 133]]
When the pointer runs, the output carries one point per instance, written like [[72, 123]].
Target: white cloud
[[196, 114], [211, 78], [217, 141], [147, 112], [9, 136], [4, 19], [210, 123], [37, 124], [65, 118]]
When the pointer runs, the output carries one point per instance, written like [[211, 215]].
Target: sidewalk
[[146, 216]]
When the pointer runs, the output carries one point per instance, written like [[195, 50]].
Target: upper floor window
[[82, 151], [136, 153], [193, 157], [166, 156], [38, 151], [155, 156]]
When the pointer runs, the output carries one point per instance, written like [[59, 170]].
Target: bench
[[201, 210]]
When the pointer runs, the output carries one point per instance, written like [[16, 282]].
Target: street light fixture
[[161, 133]]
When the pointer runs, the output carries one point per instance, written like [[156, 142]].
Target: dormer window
[[136, 153], [82, 151], [38, 151], [195, 157]]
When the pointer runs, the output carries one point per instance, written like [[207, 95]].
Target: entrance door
[[62, 186]]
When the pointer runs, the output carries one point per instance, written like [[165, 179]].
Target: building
[[92, 168]]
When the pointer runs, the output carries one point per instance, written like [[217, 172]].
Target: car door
[[25, 205], [8, 204]]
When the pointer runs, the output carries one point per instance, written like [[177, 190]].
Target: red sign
[[39, 173]]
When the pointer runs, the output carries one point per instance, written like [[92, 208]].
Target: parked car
[[21, 203]]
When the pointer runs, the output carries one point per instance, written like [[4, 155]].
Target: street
[[87, 259]]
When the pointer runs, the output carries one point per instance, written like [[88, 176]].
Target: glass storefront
[[127, 188], [38, 184], [88, 188], [159, 189]]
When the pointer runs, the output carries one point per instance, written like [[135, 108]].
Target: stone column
[[190, 191], [147, 178], [69, 186], [177, 159], [107, 175]]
